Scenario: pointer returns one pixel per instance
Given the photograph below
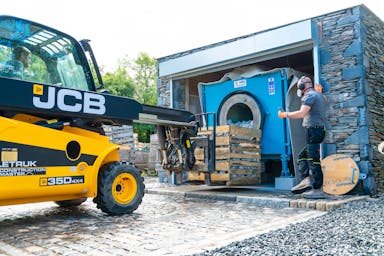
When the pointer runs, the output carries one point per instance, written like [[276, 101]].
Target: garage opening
[[238, 112]]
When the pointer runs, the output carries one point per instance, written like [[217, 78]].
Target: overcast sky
[[118, 28]]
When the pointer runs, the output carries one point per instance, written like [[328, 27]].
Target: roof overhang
[[295, 37]]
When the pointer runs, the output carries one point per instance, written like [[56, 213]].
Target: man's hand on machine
[[282, 114]]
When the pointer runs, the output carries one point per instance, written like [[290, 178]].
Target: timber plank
[[230, 156], [235, 181], [227, 166]]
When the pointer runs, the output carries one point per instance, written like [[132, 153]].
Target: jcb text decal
[[69, 100]]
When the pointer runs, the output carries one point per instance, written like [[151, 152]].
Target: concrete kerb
[[227, 198], [264, 201], [259, 201], [328, 204]]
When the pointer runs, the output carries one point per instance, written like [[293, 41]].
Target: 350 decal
[[64, 180]]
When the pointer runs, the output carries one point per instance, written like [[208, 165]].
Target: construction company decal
[[68, 100], [62, 180], [10, 172], [10, 166]]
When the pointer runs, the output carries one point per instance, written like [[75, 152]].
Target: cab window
[[36, 54]]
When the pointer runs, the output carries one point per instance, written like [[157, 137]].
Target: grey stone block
[[355, 102], [352, 72], [284, 183], [361, 136], [329, 149], [365, 167], [325, 57], [354, 49], [364, 152], [348, 20]]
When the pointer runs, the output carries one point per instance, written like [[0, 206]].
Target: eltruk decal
[[10, 166]]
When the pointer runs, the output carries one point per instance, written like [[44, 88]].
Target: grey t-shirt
[[317, 114]]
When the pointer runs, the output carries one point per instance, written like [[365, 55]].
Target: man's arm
[[304, 109]]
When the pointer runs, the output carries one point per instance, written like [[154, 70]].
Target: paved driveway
[[163, 225]]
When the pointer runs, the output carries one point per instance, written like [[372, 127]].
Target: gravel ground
[[356, 228]]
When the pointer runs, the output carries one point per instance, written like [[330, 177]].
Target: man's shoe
[[303, 186], [314, 194]]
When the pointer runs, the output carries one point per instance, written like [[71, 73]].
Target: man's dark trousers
[[309, 157]]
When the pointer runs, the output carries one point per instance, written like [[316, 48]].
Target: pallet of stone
[[122, 135], [237, 156]]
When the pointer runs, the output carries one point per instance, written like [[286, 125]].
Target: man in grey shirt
[[313, 112]]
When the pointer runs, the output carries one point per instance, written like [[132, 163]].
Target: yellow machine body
[[52, 113], [44, 164]]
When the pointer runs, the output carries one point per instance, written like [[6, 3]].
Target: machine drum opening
[[73, 150], [239, 113], [240, 109]]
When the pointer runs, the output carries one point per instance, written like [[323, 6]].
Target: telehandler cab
[[52, 142]]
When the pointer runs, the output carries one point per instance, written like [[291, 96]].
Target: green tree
[[143, 131], [136, 79], [4, 53], [119, 82], [144, 69]]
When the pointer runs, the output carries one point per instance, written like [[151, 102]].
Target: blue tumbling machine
[[263, 95]]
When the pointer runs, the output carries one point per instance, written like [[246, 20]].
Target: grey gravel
[[356, 228]]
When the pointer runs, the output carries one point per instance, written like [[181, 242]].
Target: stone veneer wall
[[373, 51], [349, 58]]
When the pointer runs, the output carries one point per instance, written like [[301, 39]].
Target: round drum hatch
[[240, 108]]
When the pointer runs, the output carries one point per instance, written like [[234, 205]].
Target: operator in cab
[[21, 59]]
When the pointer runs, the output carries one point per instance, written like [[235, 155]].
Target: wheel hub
[[124, 188]]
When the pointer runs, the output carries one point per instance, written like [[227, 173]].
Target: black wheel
[[120, 189], [70, 203]]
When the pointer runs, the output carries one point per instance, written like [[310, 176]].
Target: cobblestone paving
[[163, 225]]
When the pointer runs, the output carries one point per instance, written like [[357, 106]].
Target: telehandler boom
[[52, 142]]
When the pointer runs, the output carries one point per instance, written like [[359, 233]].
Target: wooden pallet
[[237, 156]]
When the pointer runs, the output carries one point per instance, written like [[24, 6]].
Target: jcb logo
[[69, 100]]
